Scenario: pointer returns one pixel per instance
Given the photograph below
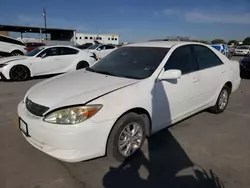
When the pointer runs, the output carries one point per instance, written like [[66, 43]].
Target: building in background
[[56, 36], [83, 38]]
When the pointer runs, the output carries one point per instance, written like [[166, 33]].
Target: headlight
[[72, 115]]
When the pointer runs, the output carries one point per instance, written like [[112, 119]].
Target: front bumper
[[4, 73], [70, 143], [241, 53]]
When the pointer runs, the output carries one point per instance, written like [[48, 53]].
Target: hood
[[11, 59], [78, 87]]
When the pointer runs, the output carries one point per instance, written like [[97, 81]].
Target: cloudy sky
[[136, 20]]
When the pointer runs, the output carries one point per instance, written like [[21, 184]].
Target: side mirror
[[170, 74], [98, 49], [43, 56]]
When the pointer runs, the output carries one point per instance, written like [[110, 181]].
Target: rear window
[[12, 41]]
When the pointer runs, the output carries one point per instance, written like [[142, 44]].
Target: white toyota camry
[[43, 61], [137, 90]]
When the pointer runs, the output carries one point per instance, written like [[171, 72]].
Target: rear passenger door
[[211, 72], [66, 57]]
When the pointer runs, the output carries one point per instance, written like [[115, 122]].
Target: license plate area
[[23, 126]]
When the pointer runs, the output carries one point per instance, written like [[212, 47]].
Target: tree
[[218, 41], [235, 42], [204, 41], [247, 41]]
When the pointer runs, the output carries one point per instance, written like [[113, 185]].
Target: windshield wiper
[[101, 72]]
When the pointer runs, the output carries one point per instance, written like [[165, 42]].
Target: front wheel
[[19, 73], [222, 101], [127, 136]]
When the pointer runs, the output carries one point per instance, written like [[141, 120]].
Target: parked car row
[[45, 60], [112, 106], [242, 50]]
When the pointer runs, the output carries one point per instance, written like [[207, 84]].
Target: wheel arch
[[30, 73], [82, 61], [16, 50], [230, 85], [137, 110]]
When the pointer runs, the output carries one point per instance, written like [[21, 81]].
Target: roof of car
[[162, 44], [59, 46]]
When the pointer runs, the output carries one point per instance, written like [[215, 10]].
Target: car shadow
[[33, 78], [166, 162], [44, 76]]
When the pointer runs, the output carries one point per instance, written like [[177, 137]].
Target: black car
[[245, 67]]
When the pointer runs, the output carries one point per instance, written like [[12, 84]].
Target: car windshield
[[35, 51], [243, 48], [94, 46], [131, 62]]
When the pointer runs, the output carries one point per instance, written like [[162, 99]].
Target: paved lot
[[205, 150]]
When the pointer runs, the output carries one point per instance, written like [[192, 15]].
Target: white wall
[[82, 38]]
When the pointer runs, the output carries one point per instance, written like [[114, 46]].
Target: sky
[[136, 20]]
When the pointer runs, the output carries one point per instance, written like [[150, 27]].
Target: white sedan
[[101, 50], [137, 90], [44, 61]]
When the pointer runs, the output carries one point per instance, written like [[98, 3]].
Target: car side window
[[206, 57], [109, 47], [103, 47], [49, 52], [182, 59], [68, 51]]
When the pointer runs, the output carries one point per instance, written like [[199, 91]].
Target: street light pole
[[45, 23]]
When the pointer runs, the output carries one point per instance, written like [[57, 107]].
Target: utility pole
[[45, 23]]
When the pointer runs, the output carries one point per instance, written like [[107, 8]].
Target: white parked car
[[137, 90], [101, 50], [10, 46], [242, 50], [45, 60]]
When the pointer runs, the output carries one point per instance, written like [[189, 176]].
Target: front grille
[[34, 108]]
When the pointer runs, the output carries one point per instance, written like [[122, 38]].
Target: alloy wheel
[[223, 99], [130, 139], [19, 73]]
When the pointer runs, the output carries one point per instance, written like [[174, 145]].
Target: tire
[[16, 53], [222, 101], [117, 137], [82, 65], [19, 73]]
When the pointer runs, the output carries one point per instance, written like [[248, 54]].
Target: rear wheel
[[19, 73], [16, 53], [126, 137], [82, 65], [222, 101]]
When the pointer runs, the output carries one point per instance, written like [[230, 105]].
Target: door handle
[[223, 71]]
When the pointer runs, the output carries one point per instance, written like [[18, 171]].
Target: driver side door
[[47, 61], [175, 99]]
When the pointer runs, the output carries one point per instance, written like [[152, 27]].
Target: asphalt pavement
[[206, 150]]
